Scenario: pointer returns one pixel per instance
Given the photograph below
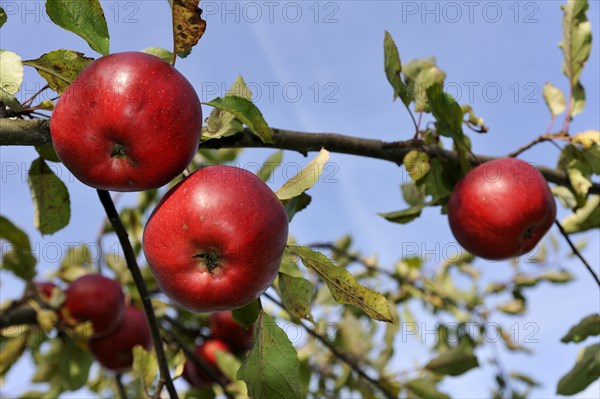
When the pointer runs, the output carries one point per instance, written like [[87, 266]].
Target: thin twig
[[342, 356], [544, 137], [115, 221], [577, 253], [120, 387]]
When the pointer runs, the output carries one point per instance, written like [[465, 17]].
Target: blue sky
[[318, 67]]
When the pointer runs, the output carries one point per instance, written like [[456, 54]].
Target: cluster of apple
[[117, 326], [131, 122], [227, 336]]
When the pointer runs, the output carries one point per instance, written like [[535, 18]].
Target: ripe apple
[[206, 352], [224, 327], [128, 122], [115, 350], [216, 239], [45, 289], [501, 209], [96, 298]]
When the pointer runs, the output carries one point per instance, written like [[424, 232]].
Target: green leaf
[[50, 198], [267, 168], [11, 351], [296, 204], [76, 263], [188, 25], [556, 276], [578, 99], [19, 259], [12, 72], [425, 388], [565, 196], [515, 306], [60, 67], [449, 118], [419, 75], [554, 98], [47, 152], [228, 364], [74, 365], [10, 79], [412, 194], [393, 67], [84, 18], [447, 112], [585, 218], [587, 139], [304, 179], [406, 215], [3, 17], [296, 295], [575, 164], [159, 52], [247, 315], [456, 361], [525, 378], [343, 286], [417, 164], [577, 39], [272, 368], [221, 123], [145, 365], [585, 372], [587, 327], [247, 113]]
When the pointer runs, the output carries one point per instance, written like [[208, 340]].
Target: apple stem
[[211, 260], [118, 151]]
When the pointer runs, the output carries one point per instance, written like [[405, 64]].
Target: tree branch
[[115, 221], [37, 132]]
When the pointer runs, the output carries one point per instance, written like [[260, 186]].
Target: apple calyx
[[209, 260]]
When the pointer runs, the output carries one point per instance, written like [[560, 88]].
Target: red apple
[[45, 290], [206, 352], [501, 209], [224, 327], [115, 351], [216, 239], [96, 298], [128, 122]]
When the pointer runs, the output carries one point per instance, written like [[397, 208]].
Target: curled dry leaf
[[188, 25]]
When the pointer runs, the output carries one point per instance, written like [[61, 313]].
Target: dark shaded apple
[[115, 350], [224, 327], [215, 241], [128, 122], [95, 298], [206, 352], [501, 209]]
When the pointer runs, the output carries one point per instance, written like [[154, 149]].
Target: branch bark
[[37, 132], [115, 221]]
